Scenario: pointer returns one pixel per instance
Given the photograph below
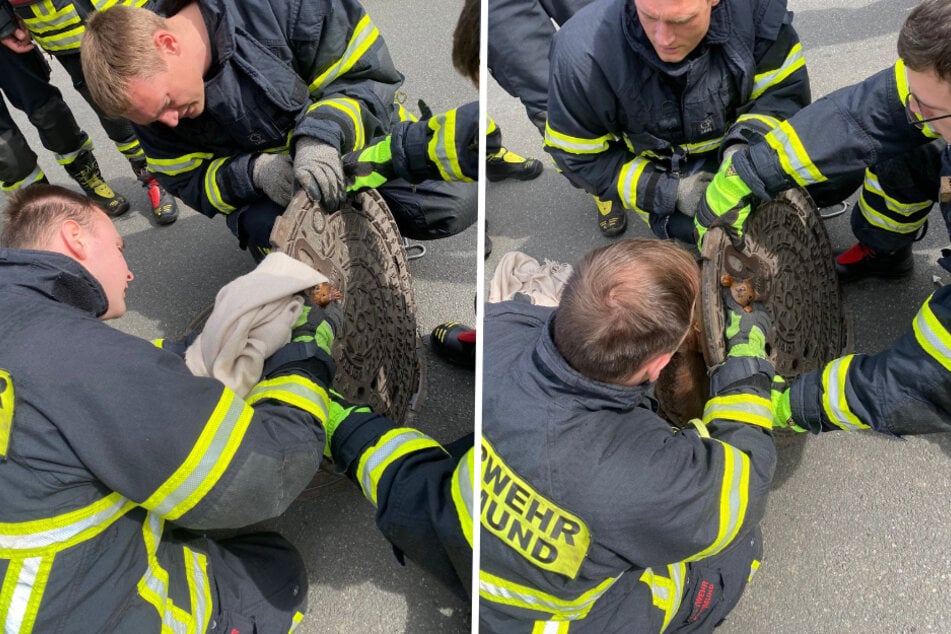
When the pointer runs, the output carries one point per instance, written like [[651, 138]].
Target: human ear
[[74, 240], [166, 42]]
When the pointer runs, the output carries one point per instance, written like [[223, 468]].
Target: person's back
[[592, 506]]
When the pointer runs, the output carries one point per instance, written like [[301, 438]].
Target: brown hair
[[924, 42], [117, 48], [465, 41], [625, 304], [34, 214]]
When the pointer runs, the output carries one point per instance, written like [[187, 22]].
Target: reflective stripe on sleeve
[[834, 401], [208, 459], [179, 164], [294, 390], [793, 156], [744, 408], [505, 592], [933, 336], [212, 192], [766, 120], [391, 446], [442, 148], [734, 498], [351, 109], [667, 592], [627, 184], [575, 145], [764, 81], [364, 35]]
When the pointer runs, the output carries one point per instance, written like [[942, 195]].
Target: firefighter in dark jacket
[[57, 26], [595, 515], [236, 101], [646, 96], [110, 448], [25, 81], [890, 127]]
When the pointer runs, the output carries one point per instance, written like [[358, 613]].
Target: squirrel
[[323, 294], [742, 291]]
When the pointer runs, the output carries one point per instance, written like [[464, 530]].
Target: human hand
[[726, 204], [690, 191], [319, 170], [273, 174]]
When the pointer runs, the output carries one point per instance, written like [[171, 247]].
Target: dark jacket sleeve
[[844, 132], [8, 20], [905, 389]]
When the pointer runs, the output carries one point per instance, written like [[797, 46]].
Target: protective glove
[[690, 190], [745, 332], [318, 324], [273, 174], [782, 410], [319, 170], [725, 204], [340, 410], [370, 167], [730, 150]]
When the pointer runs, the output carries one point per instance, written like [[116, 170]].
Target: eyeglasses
[[914, 118]]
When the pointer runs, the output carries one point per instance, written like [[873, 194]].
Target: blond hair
[[116, 49], [624, 304], [34, 214]]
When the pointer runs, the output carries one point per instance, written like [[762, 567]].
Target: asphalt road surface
[[857, 533], [356, 584]]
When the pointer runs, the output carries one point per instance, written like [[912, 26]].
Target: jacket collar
[[566, 381], [56, 276], [719, 33]]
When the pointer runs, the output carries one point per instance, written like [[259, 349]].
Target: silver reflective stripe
[[764, 81], [206, 464], [31, 178], [66, 159], [21, 595], [200, 589], [572, 610], [363, 37], [837, 374], [46, 538], [937, 343], [382, 453], [274, 387], [464, 477]]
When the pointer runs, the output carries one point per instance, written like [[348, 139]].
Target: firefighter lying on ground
[[594, 512], [235, 102], [112, 452], [893, 126]]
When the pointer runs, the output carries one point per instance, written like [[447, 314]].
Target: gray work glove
[[690, 189], [273, 174], [319, 170], [733, 149]]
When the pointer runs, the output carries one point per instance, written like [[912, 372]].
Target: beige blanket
[[521, 273]]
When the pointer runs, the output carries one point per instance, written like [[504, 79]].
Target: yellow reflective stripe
[[901, 81], [932, 335], [131, 149], [177, 165], [878, 219], [70, 157], [734, 498], [744, 408], [575, 145], [754, 566], [49, 18], [505, 592], [769, 122], [199, 589], [294, 390], [834, 401], [391, 446], [701, 427], [364, 35], [31, 178], [764, 81], [298, 617], [351, 108], [212, 192], [627, 184], [490, 126], [702, 146], [793, 156], [550, 627], [23, 587], [666, 592], [64, 41], [50, 535], [442, 147], [153, 585], [208, 459], [462, 491], [102, 5]]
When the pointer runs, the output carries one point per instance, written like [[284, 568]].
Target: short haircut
[[623, 305], [34, 214], [924, 42], [117, 48], [465, 41]]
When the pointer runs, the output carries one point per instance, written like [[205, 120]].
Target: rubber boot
[[85, 171], [164, 207]]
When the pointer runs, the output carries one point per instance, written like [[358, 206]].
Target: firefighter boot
[[84, 169], [862, 261], [506, 164], [455, 343], [164, 207], [612, 219]]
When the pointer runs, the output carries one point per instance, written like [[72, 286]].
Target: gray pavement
[[356, 584], [857, 530]]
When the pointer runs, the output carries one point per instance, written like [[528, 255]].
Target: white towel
[[521, 273]]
